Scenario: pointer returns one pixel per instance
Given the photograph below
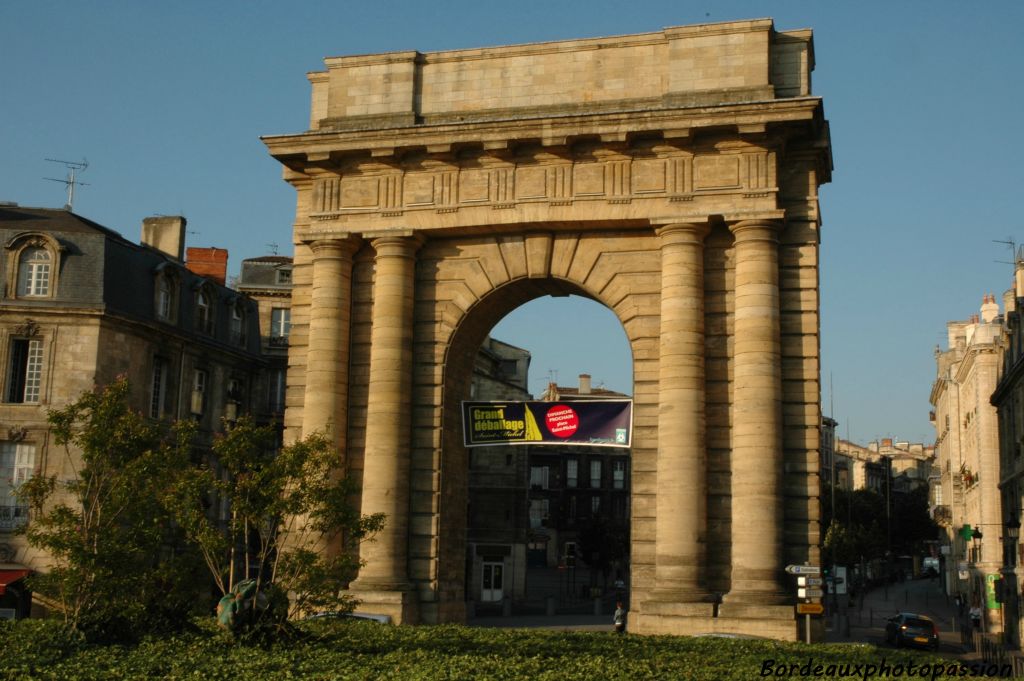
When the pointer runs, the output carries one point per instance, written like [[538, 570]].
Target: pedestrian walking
[[620, 618]]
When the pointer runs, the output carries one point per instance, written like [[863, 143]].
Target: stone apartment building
[[1008, 400], [268, 281], [967, 454], [82, 306]]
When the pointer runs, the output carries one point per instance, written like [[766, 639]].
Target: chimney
[[166, 234], [989, 308], [211, 263], [1009, 301], [584, 384]]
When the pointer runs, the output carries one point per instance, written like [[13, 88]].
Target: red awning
[[10, 577]]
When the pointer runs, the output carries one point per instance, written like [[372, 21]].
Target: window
[[237, 331], [235, 399], [165, 298], [25, 371], [17, 463], [539, 476], [276, 393], [571, 473], [619, 474], [595, 505], [34, 272], [199, 380], [595, 473], [158, 391], [204, 313], [572, 508], [538, 512], [284, 276], [280, 325]]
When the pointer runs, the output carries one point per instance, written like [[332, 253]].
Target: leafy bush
[[342, 649]]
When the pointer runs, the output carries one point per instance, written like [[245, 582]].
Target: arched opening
[[547, 527]]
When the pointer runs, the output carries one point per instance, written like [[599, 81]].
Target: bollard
[[549, 605], [597, 606], [506, 608]]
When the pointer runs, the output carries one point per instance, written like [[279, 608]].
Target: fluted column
[[325, 405], [757, 505], [681, 507], [385, 486]]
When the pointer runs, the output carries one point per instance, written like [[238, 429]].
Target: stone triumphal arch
[[671, 176]]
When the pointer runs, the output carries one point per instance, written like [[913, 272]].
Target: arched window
[[34, 268]]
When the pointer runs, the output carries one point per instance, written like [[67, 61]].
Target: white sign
[[809, 593], [803, 569], [809, 581]]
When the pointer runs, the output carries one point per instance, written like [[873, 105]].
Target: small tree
[[104, 528], [289, 512]]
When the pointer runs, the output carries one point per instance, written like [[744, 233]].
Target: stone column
[[325, 405], [385, 486], [757, 503], [681, 506]]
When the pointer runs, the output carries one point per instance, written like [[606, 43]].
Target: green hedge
[[363, 650]]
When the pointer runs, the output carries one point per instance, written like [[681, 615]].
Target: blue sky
[[167, 102]]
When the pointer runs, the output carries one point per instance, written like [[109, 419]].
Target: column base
[[699, 619], [681, 596], [739, 598], [401, 605]]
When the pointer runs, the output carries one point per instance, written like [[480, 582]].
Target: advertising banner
[[604, 423]]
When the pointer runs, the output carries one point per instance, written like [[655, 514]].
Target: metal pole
[[807, 628]]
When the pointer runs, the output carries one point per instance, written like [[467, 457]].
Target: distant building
[[967, 453], [268, 281], [82, 306], [498, 529]]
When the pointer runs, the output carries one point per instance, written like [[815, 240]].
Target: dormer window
[[204, 311], [32, 266], [284, 276], [237, 324]]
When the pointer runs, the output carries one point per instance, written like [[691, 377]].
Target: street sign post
[[807, 609]]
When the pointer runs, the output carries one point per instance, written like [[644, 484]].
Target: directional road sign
[[810, 593], [809, 608], [809, 581], [803, 569]]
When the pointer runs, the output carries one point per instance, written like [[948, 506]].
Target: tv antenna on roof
[[73, 168], [273, 247]]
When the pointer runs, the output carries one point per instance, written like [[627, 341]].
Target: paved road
[[867, 617]]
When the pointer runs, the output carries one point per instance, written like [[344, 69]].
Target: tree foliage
[[104, 526], [288, 522], [862, 529]]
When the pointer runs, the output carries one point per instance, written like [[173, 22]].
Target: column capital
[[756, 230], [397, 246], [682, 232], [343, 247]]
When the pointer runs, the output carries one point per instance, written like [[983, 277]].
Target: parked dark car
[[910, 629]]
